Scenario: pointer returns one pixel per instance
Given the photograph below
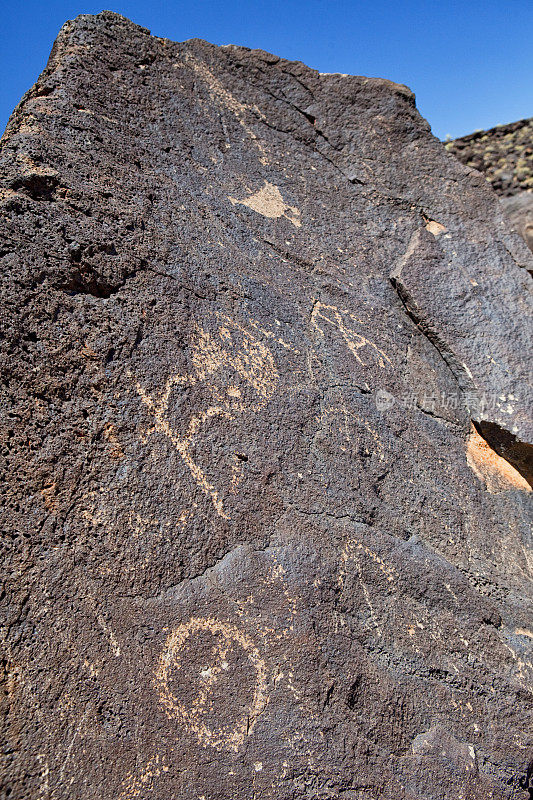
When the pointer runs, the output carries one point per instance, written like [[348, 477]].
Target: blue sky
[[470, 63]]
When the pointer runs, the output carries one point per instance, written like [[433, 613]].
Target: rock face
[[265, 440], [505, 155]]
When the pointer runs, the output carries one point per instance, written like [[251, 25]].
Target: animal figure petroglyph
[[344, 321], [234, 351]]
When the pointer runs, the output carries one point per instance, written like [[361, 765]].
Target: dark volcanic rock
[[519, 210], [505, 155], [262, 338]]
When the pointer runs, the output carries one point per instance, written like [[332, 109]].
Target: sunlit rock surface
[[266, 438], [505, 155]]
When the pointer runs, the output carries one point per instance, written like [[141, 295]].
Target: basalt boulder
[[266, 438], [504, 154]]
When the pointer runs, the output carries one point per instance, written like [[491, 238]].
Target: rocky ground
[[266, 438], [505, 155]]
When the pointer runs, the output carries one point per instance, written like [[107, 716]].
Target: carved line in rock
[[192, 716], [353, 551], [340, 410], [136, 785], [254, 364], [219, 93], [354, 341]]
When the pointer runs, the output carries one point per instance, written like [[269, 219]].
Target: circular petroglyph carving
[[211, 677]]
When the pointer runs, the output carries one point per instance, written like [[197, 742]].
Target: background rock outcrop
[[266, 437], [505, 155]]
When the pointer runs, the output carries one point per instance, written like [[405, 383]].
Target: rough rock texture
[[519, 210], [505, 155], [265, 438]]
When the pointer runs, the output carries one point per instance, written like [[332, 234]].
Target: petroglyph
[[366, 568], [210, 669], [353, 549], [137, 785], [223, 96], [269, 202], [270, 335], [219, 654], [343, 321], [351, 422], [436, 228], [275, 574], [232, 349]]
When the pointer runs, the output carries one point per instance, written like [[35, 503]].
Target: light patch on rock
[[435, 227], [269, 202]]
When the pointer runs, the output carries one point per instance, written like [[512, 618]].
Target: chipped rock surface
[[265, 441]]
